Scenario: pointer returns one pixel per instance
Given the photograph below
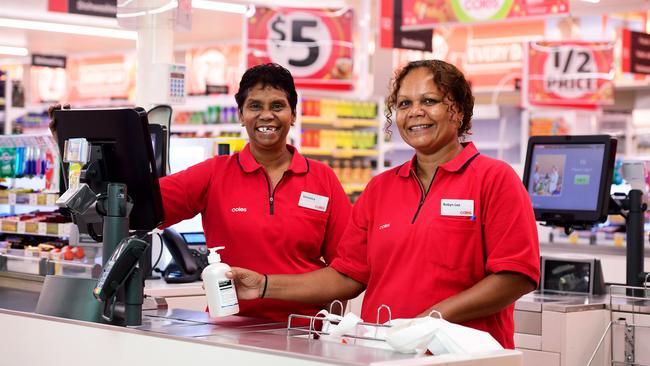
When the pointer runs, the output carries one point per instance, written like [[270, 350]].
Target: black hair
[[272, 75], [448, 79]]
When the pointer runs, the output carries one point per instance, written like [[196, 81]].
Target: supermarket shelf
[[28, 199], [225, 127], [339, 122], [195, 103], [338, 153], [35, 228], [350, 188]]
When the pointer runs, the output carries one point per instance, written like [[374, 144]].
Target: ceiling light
[[592, 1], [14, 51], [68, 28], [219, 6]]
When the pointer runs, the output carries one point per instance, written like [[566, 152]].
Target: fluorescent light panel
[[219, 6], [14, 51], [67, 28]]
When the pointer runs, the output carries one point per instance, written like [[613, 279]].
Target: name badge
[[456, 207], [313, 201]]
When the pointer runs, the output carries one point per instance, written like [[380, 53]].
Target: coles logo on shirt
[[238, 209]]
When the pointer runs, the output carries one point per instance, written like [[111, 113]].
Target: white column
[[155, 45]]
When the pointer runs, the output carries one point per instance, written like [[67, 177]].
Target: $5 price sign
[[570, 73], [314, 44]]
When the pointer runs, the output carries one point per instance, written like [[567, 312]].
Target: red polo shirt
[[262, 229], [412, 253]]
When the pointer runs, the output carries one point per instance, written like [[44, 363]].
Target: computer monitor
[[129, 159], [568, 178]]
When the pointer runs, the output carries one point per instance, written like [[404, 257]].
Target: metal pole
[[116, 221], [133, 298], [635, 220]]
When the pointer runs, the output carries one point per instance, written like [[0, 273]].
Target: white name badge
[[456, 207], [313, 201]]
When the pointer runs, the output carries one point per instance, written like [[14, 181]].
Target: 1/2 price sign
[[570, 73], [314, 44]]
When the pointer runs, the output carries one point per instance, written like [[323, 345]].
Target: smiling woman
[[273, 209]]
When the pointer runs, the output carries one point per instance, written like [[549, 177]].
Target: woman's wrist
[[266, 283]]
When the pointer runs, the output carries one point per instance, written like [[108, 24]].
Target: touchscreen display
[[566, 176]]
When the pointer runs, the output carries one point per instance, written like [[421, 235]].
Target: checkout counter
[[171, 334]]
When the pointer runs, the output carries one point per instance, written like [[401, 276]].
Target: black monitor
[[572, 275], [128, 158], [569, 178], [158, 136]]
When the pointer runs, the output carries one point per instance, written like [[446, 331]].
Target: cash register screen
[[196, 238], [566, 176]]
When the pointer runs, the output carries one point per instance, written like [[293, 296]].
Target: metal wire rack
[[632, 297], [313, 332]]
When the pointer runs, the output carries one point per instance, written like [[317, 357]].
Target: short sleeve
[[184, 194], [352, 259], [511, 240], [340, 208]]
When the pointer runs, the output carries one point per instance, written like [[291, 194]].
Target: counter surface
[[170, 335]]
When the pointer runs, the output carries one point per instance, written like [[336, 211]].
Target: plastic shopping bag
[[457, 339], [438, 336]]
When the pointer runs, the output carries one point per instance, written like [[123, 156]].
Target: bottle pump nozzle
[[214, 256]]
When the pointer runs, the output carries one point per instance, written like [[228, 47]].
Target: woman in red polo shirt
[[274, 210], [450, 230]]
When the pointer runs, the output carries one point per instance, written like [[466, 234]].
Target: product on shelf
[[32, 120], [351, 171], [213, 114], [339, 139], [330, 108]]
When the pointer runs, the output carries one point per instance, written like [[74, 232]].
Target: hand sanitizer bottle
[[220, 290]]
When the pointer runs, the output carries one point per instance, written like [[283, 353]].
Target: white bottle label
[[227, 293]]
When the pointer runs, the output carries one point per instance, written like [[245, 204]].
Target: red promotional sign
[[570, 73], [314, 44], [418, 14], [636, 52]]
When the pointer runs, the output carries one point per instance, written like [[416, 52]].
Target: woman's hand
[[249, 284], [50, 113]]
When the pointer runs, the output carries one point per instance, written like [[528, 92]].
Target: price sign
[[570, 73], [315, 45], [11, 198], [20, 227], [42, 228]]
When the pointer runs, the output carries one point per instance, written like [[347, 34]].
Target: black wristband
[[266, 282]]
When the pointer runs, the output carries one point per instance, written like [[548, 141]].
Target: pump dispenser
[[220, 290]]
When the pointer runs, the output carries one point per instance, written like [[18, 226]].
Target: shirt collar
[[466, 155], [248, 163]]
